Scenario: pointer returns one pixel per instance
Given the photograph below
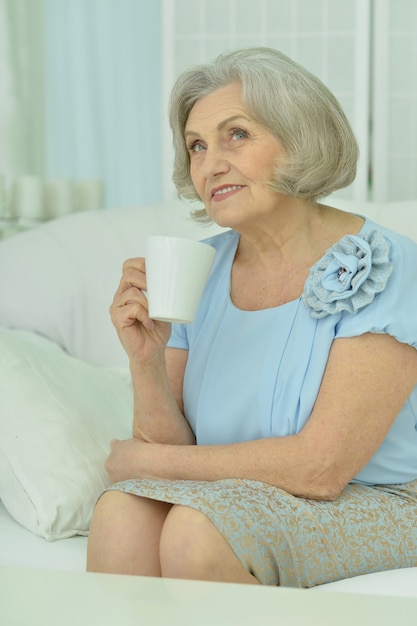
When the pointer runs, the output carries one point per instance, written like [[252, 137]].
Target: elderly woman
[[274, 439]]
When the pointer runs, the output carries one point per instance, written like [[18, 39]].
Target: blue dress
[[230, 398], [256, 374]]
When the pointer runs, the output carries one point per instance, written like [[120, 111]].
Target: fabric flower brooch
[[349, 275]]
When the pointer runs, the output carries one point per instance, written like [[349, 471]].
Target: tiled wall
[[320, 34], [395, 100]]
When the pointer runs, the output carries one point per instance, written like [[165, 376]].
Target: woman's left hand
[[126, 459]]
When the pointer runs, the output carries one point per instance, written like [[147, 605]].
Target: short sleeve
[[394, 310], [179, 337]]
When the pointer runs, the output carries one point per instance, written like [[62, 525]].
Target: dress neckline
[[290, 303]]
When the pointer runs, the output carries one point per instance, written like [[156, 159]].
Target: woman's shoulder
[[356, 269], [402, 253], [382, 293], [400, 243]]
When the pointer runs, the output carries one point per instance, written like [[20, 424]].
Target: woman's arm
[[367, 381], [157, 373], [158, 405]]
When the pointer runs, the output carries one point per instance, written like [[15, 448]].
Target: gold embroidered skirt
[[297, 542]]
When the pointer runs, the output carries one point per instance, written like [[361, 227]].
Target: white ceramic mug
[[176, 273]]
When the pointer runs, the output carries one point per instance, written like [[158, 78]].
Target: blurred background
[[84, 85]]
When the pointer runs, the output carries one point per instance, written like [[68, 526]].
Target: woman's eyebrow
[[231, 119], [221, 125]]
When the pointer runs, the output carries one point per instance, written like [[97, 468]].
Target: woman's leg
[[125, 535], [192, 548]]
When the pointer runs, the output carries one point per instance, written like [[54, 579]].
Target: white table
[[48, 598]]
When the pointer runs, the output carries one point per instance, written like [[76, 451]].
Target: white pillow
[[58, 415], [59, 279]]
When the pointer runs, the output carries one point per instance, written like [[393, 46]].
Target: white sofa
[[65, 389]]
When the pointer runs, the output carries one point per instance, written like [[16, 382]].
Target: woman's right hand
[[141, 337]]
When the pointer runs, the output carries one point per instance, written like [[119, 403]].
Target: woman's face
[[231, 158]]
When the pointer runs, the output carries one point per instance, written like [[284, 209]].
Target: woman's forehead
[[223, 104]]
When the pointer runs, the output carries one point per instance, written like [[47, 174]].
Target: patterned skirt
[[297, 542]]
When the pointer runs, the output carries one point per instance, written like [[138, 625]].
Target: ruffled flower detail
[[349, 275]]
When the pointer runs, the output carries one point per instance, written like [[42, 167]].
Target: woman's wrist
[[146, 363]]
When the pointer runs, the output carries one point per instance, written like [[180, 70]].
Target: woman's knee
[[125, 534], [117, 508], [185, 542], [192, 547], [109, 511]]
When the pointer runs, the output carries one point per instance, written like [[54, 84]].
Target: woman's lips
[[224, 191]]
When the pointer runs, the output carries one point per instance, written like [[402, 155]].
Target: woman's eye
[[195, 147], [238, 133]]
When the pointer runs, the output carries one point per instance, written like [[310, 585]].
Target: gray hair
[[292, 104]]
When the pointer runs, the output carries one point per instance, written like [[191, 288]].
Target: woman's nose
[[215, 162]]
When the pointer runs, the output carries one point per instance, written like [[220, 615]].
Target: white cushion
[[58, 415], [59, 279], [399, 582], [21, 548]]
